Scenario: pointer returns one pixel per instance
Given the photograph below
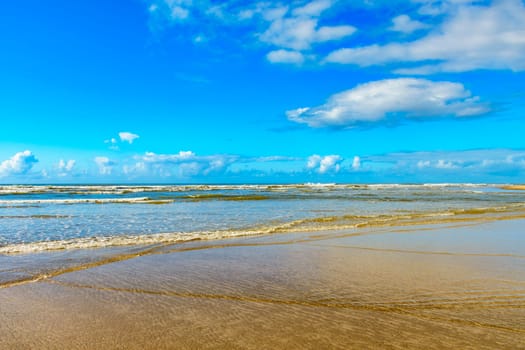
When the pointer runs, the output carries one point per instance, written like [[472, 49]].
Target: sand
[[513, 187], [432, 287]]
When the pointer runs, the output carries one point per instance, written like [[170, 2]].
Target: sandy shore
[[513, 187], [444, 286]]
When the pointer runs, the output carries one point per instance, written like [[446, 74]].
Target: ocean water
[[39, 218]]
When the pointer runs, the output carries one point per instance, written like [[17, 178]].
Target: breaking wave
[[316, 224]]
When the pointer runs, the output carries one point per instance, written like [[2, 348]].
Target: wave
[[76, 201], [129, 189], [226, 197], [315, 224], [298, 192], [35, 216], [128, 240]]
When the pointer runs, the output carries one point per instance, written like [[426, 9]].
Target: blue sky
[[193, 91]]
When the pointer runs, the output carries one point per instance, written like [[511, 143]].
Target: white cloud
[[288, 27], [356, 163], [19, 164], [127, 137], [313, 8], [440, 7], [113, 144], [330, 163], [184, 163], [443, 164], [168, 158], [391, 100], [105, 165], [199, 39], [285, 56], [470, 34], [439, 164], [482, 165], [472, 37], [66, 167], [272, 159], [313, 161], [179, 12], [483, 160], [175, 10], [299, 33], [187, 165], [423, 164], [153, 8], [405, 24], [271, 13]]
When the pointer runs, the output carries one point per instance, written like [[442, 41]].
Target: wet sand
[[456, 285], [513, 187]]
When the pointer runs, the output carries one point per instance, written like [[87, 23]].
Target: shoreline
[[513, 187], [432, 286], [315, 224]]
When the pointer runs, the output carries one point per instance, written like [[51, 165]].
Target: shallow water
[[397, 287], [36, 218]]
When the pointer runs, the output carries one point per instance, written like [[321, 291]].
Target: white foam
[[128, 240], [123, 189], [315, 224], [75, 201]]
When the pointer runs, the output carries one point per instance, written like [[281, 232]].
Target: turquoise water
[[34, 218]]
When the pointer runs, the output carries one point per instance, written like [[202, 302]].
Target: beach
[[235, 174], [308, 266], [428, 286]]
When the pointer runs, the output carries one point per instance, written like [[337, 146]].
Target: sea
[[36, 218]]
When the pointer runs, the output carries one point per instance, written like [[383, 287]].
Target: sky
[[202, 91]]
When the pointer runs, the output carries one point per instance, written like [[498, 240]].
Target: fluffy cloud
[[473, 37], [438, 164], [176, 10], [391, 100], [65, 167], [356, 163], [289, 27], [184, 164], [123, 136], [313, 8], [300, 33], [127, 137], [285, 56], [405, 24], [449, 166], [182, 156], [267, 159], [298, 29], [324, 164], [105, 165], [475, 160], [187, 166], [19, 164], [469, 34], [440, 7]]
